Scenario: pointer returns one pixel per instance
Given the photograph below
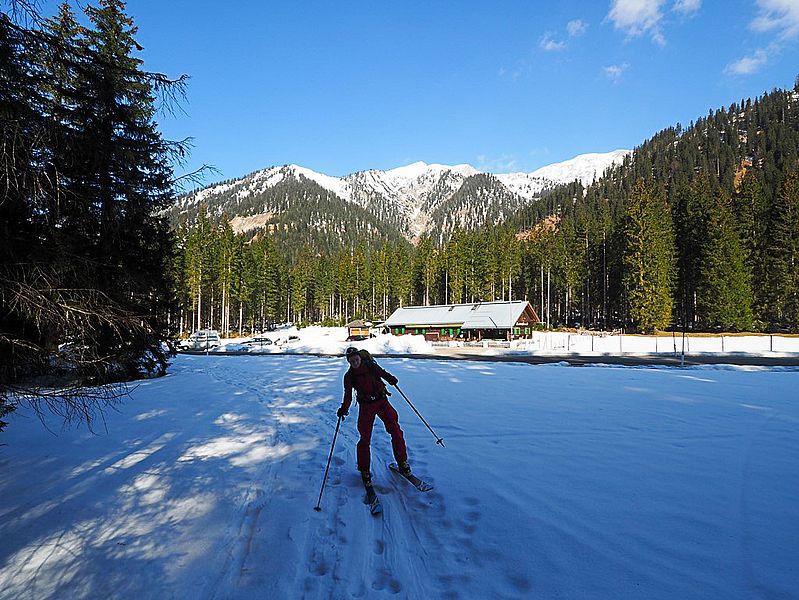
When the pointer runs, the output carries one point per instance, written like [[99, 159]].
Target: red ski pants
[[366, 420]]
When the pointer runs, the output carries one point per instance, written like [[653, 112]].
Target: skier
[[366, 376]]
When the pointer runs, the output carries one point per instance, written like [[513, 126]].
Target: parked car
[[259, 340], [202, 339]]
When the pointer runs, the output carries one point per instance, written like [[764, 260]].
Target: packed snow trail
[[555, 482]]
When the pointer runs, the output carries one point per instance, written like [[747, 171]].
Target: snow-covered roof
[[477, 315]]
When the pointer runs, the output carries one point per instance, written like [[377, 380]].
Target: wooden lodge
[[357, 329], [471, 322]]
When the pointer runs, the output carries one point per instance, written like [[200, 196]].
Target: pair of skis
[[375, 507]]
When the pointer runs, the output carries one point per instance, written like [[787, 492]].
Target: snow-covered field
[[555, 482]]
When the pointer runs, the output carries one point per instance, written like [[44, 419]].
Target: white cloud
[[549, 44], [576, 28], [687, 7], [515, 72], [781, 16], [614, 72], [749, 64], [638, 17]]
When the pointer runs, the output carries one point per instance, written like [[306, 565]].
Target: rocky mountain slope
[[409, 201]]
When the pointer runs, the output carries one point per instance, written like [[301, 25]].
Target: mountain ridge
[[411, 198]]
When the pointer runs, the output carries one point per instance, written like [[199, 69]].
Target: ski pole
[[318, 507], [438, 439]]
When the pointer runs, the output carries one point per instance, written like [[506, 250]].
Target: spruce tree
[[382, 275], [85, 263], [691, 210], [648, 258], [783, 256], [751, 211], [198, 266], [126, 172], [226, 265], [724, 293], [424, 267], [22, 351], [402, 275]]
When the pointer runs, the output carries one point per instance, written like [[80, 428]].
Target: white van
[[203, 339]]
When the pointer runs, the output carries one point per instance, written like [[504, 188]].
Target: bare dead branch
[[193, 179]]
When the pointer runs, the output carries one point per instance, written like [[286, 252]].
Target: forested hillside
[[298, 212], [481, 199], [729, 184], [698, 228]]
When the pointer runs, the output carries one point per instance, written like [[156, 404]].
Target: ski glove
[[392, 380], [342, 412]]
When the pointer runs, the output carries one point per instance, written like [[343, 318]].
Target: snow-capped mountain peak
[[334, 184], [413, 198], [408, 172], [586, 167]]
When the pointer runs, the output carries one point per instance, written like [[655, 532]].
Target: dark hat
[[350, 351]]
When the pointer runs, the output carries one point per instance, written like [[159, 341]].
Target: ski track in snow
[[555, 482]]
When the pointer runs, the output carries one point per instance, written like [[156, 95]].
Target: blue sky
[[505, 86]]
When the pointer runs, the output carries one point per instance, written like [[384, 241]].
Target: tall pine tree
[[648, 258], [784, 254], [725, 292]]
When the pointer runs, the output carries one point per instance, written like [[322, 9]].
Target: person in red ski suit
[[367, 380]]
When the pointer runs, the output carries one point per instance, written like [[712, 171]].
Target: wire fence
[[615, 342]]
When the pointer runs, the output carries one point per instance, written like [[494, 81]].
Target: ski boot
[[371, 497]]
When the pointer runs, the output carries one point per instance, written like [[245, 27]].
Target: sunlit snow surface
[[555, 482]]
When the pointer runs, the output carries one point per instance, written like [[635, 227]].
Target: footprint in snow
[[385, 581]]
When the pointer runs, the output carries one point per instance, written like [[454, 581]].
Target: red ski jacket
[[367, 383]]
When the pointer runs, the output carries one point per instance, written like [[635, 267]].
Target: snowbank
[[332, 340], [328, 340]]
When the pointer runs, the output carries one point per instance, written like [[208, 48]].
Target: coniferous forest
[[86, 280], [697, 230]]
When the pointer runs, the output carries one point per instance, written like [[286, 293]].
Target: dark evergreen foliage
[[298, 212], [648, 258], [783, 255], [85, 267], [746, 151], [724, 292]]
